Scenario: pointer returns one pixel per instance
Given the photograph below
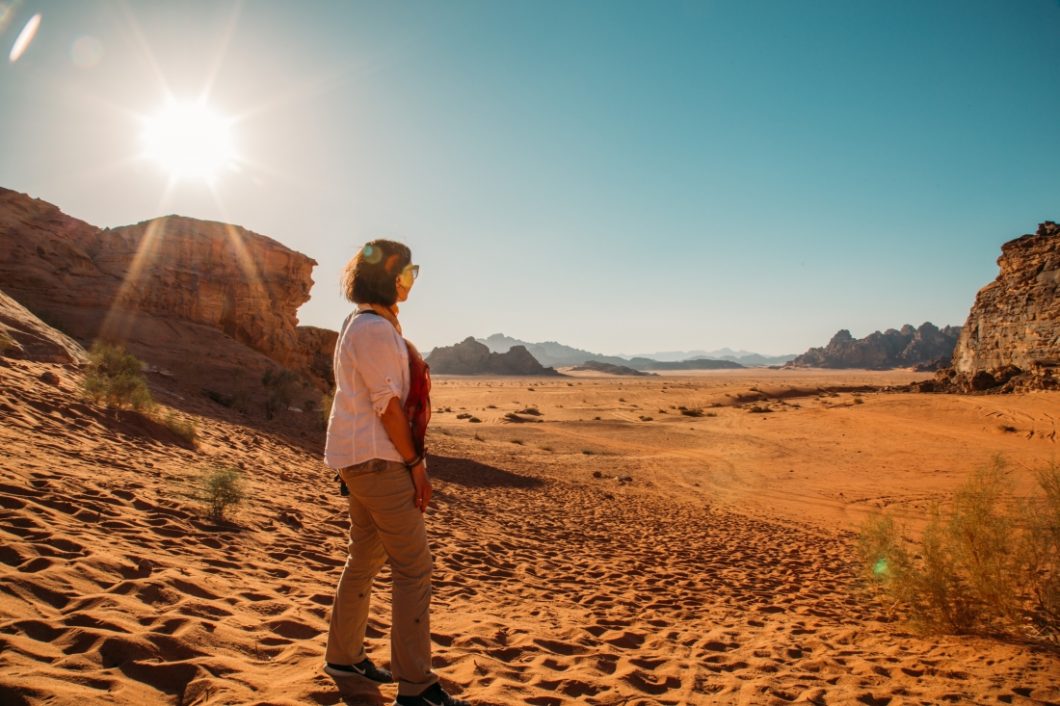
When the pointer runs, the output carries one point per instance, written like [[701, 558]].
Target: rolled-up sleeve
[[378, 361]]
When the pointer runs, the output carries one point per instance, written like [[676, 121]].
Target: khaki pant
[[385, 525]]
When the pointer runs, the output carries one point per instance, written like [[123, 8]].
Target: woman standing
[[370, 444]]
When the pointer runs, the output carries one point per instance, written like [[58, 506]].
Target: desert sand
[[593, 545]]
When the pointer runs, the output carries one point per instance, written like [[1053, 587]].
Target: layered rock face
[[1012, 336], [469, 357], [156, 285], [908, 347]]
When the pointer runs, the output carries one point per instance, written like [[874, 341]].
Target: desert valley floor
[[593, 545]]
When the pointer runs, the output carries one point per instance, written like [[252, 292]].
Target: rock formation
[[1011, 340], [469, 357], [158, 285], [608, 368], [924, 346]]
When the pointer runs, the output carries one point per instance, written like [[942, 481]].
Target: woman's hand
[[422, 484]]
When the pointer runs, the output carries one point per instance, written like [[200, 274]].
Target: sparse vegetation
[[983, 564], [186, 429], [222, 488], [116, 378], [280, 386], [7, 343], [326, 402], [691, 412]]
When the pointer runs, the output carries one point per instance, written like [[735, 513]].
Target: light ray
[[122, 312], [222, 51]]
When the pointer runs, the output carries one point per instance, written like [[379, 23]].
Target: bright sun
[[189, 140]]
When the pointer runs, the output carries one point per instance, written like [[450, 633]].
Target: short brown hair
[[369, 276]]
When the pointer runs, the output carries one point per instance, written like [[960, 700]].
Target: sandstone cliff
[[469, 357], [1011, 339], [924, 346], [165, 288]]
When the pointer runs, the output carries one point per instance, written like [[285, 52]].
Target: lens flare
[[879, 569], [25, 38], [86, 52]]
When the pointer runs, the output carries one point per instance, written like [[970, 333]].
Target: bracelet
[[414, 462]]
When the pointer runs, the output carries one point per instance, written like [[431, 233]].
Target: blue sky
[[623, 177]]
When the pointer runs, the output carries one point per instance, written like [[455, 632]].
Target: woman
[[371, 445]]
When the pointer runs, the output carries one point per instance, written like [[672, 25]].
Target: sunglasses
[[411, 272]]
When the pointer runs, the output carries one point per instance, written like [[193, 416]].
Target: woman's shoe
[[364, 669]]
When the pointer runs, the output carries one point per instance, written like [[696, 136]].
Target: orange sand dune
[[719, 572]]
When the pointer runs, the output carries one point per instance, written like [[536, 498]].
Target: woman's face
[[405, 280]]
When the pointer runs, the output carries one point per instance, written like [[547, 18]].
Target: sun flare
[[189, 141]]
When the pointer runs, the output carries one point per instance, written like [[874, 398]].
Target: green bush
[[222, 487], [115, 378], [981, 566]]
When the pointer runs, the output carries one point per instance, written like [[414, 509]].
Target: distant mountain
[[559, 355], [745, 357], [469, 357], [549, 353], [908, 347]]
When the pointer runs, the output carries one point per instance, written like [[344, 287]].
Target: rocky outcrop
[[23, 335], [469, 357], [159, 281], [908, 347], [1011, 340]]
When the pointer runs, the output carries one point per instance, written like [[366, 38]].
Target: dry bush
[[7, 343], [222, 487], [115, 378], [981, 566], [186, 429], [280, 387]]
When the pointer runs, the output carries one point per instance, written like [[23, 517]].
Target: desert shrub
[[186, 429], [115, 378], [326, 402], [980, 566], [7, 343], [691, 412], [280, 387], [222, 487]]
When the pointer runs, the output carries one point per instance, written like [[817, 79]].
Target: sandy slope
[[721, 573]]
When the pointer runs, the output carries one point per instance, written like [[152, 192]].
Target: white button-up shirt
[[371, 367]]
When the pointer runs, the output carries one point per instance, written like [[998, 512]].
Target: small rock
[[625, 479], [50, 378], [597, 474]]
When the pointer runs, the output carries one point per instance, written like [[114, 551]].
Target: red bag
[[418, 403]]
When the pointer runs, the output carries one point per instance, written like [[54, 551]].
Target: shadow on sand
[[472, 474]]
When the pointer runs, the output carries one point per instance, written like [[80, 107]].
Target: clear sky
[[619, 176]]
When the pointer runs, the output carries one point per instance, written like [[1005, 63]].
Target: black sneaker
[[364, 669], [433, 696]]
